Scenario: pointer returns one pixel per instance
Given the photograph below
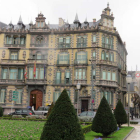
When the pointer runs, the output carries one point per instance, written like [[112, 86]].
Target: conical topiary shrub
[[50, 110], [120, 114], [1, 111], [104, 121], [62, 123]]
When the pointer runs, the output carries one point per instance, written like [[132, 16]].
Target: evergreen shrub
[[1, 111]]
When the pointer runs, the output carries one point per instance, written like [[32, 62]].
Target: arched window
[[63, 58], [103, 55], [112, 57], [39, 40], [103, 41], [107, 56], [82, 57]]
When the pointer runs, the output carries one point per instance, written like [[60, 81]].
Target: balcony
[[81, 45], [81, 62], [124, 72], [63, 63], [64, 46], [12, 81], [38, 61], [81, 81], [39, 45], [108, 83], [36, 81], [15, 45], [62, 82], [12, 62], [105, 62]]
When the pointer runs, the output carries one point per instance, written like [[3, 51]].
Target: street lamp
[[129, 80], [78, 87]]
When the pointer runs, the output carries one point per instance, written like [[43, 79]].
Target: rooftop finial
[[76, 17], [108, 5], [20, 19]]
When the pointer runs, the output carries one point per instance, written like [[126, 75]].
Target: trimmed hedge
[[86, 128], [134, 122]]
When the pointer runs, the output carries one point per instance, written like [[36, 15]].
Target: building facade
[[64, 54]]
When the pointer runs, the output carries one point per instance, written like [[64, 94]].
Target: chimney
[[61, 22], [94, 20]]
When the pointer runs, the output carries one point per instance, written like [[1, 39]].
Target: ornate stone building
[[64, 55]]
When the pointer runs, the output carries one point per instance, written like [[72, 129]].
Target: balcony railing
[[80, 62], [107, 62], [81, 45], [63, 63], [38, 61], [108, 83], [81, 81], [11, 81], [15, 45], [39, 45], [36, 81], [63, 45], [13, 61], [62, 82]]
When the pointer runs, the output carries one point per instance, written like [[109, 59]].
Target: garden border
[[129, 134]]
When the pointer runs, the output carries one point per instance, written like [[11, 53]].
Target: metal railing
[[80, 62], [14, 61], [44, 61]]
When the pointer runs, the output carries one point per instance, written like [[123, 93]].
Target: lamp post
[[78, 87], [129, 80]]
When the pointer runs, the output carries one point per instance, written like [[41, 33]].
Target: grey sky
[[126, 13]]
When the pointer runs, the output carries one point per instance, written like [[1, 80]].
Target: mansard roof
[[2, 24]]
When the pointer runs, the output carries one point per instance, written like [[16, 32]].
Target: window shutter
[[54, 97], [19, 73], [57, 58], [76, 56]]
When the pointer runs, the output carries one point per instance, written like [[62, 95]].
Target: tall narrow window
[[94, 74], [94, 38], [67, 74], [105, 94], [112, 57], [107, 56], [37, 73], [14, 56], [113, 76], [103, 41], [41, 24], [30, 73], [20, 74], [94, 55], [39, 55], [41, 73], [80, 74], [104, 75], [22, 40], [19, 96], [109, 75], [75, 96], [103, 55], [13, 73], [4, 73], [81, 41], [68, 93], [107, 42], [57, 94], [2, 95], [111, 42], [38, 24], [58, 77]]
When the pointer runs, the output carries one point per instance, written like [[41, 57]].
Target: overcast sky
[[126, 13]]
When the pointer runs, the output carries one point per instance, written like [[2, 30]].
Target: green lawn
[[119, 135]]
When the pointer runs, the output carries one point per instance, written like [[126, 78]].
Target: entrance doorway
[[36, 97], [84, 106]]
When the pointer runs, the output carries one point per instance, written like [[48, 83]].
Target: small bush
[[17, 116], [1, 111], [86, 128]]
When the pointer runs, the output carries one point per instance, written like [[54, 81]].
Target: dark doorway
[[36, 97], [84, 105]]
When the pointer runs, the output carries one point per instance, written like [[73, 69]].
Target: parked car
[[22, 112], [42, 110], [87, 113]]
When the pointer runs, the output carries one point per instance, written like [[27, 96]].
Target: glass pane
[[5, 73], [84, 73], [104, 75], [19, 96], [109, 76], [94, 38], [30, 73], [39, 56], [37, 71], [42, 73], [13, 73], [68, 40], [60, 40]]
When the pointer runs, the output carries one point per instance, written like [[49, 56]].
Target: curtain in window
[[104, 75], [19, 96], [13, 73], [109, 75], [4, 74], [94, 38], [30, 73], [2, 95], [114, 76]]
